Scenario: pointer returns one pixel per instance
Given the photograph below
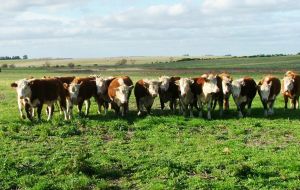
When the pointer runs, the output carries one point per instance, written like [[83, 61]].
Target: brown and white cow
[[243, 92], [186, 96], [204, 89], [145, 91], [119, 92], [168, 92], [80, 91], [37, 92], [268, 89], [102, 92], [291, 89], [224, 81]]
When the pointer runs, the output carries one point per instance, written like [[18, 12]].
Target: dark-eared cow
[[268, 89], [119, 92], [186, 96], [80, 91], [168, 92], [37, 92], [204, 89], [102, 92], [145, 91], [243, 92], [291, 89]]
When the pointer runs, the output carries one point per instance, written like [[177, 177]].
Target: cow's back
[[249, 89], [115, 84], [140, 90], [46, 89]]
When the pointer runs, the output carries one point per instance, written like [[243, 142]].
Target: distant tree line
[[13, 57]]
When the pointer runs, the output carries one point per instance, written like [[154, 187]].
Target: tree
[[25, 56]]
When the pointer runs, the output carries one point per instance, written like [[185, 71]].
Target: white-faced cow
[[37, 92], [80, 91], [268, 89], [204, 89], [291, 89], [168, 92], [119, 92], [145, 91], [243, 92], [102, 92], [186, 97]]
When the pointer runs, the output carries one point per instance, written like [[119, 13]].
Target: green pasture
[[159, 151]]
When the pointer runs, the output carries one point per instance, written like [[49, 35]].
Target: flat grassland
[[160, 151]]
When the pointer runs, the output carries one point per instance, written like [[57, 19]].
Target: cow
[[102, 92], [168, 92], [145, 91], [204, 88], [268, 89], [37, 92], [243, 92], [119, 92], [291, 89], [80, 91], [224, 81], [186, 96]]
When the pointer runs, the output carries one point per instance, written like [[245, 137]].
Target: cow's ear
[[206, 79], [131, 87], [270, 83], [14, 85], [243, 83], [66, 86], [177, 82], [146, 83], [191, 81], [81, 83]]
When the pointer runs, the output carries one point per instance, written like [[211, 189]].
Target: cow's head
[[210, 85], [101, 85], [122, 93], [226, 85], [288, 84], [73, 89], [264, 90], [22, 87], [184, 85], [236, 87], [152, 87], [165, 82]]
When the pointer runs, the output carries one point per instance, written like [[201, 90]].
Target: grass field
[[160, 151]]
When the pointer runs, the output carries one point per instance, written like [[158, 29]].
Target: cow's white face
[[265, 89], [288, 84], [101, 85], [210, 85], [153, 87], [23, 89], [122, 93], [236, 87], [184, 86], [165, 81], [74, 91], [226, 86]]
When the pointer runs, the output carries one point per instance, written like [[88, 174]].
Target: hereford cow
[[37, 92], [204, 88], [186, 96], [119, 92], [243, 92], [80, 91], [168, 92], [145, 92], [268, 89], [102, 92], [291, 89]]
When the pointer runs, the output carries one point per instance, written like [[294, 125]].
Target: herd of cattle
[[207, 90]]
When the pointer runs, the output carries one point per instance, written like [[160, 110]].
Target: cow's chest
[[241, 99], [35, 102], [204, 98], [147, 101]]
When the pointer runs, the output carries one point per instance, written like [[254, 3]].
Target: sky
[[108, 28]]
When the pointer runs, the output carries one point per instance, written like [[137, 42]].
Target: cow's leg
[[209, 109], [139, 104], [239, 109], [162, 104], [200, 107], [181, 107], [174, 105], [20, 107], [149, 110], [271, 107], [265, 105], [69, 109], [106, 104], [297, 102], [191, 110], [226, 103], [171, 105], [63, 106], [80, 103], [249, 107], [39, 110], [50, 111], [87, 106], [28, 111], [286, 99], [220, 102], [123, 110]]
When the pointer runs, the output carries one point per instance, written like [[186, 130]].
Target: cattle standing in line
[[204, 88], [291, 89], [37, 92], [119, 92], [268, 89], [186, 97], [102, 92], [80, 91], [145, 91], [243, 92], [168, 92]]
